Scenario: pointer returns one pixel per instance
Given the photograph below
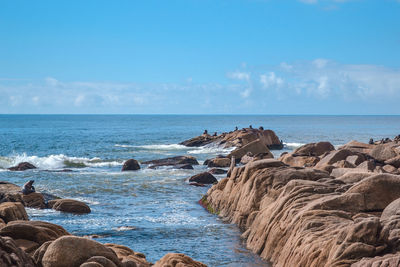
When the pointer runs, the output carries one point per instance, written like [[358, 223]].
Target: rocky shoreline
[[317, 206], [25, 243]]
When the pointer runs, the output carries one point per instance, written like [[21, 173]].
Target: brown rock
[[299, 161], [389, 260], [69, 205], [26, 245], [10, 192], [172, 161], [314, 149], [354, 177], [392, 209], [23, 166], [203, 178], [356, 159], [177, 260], [11, 255], [12, 211], [219, 162], [126, 254], [333, 157], [390, 169], [131, 165], [368, 165], [395, 162], [344, 164], [36, 231], [70, 251], [382, 152], [338, 172], [255, 147], [378, 190], [34, 200], [217, 171], [356, 146]]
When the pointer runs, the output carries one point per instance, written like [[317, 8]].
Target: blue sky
[[200, 57]]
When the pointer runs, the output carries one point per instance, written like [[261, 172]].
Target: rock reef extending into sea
[[317, 206]]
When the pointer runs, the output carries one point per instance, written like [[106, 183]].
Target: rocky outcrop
[[314, 149], [131, 165], [10, 192], [23, 166], [255, 147], [69, 205], [203, 178], [178, 260], [11, 255], [295, 216], [237, 138], [173, 161], [12, 211]]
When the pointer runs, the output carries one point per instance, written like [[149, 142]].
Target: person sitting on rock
[[215, 134], [28, 188], [236, 128], [251, 126], [205, 132], [261, 128]]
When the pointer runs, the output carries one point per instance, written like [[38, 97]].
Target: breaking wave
[[54, 162]]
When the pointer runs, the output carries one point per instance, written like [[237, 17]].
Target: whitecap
[[293, 145], [54, 162]]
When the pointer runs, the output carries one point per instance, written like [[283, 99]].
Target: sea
[[153, 211]]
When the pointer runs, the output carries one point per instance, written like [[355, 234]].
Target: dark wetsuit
[[28, 188]]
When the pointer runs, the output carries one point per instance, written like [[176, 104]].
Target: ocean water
[[151, 211]]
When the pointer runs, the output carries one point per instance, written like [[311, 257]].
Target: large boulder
[[131, 165], [178, 160], [357, 147], [299, 161], [35, 231], [23, 166], [69, 205], [127, 255], [12, 211], [11, 255], [395, 162], [333, 157], [34, 200], [314, 149], [10, 192], [70, 251], [178, 260], [219, 162], [255, 147], [201, 140], [203, 178], [377, 191], [383, 152]]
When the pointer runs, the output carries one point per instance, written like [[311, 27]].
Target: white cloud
[[237, 75], [271, 80], [79, 100]]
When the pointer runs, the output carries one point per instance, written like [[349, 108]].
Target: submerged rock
[[178, 160], [23, 166], [217, 171], [131, 165]]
